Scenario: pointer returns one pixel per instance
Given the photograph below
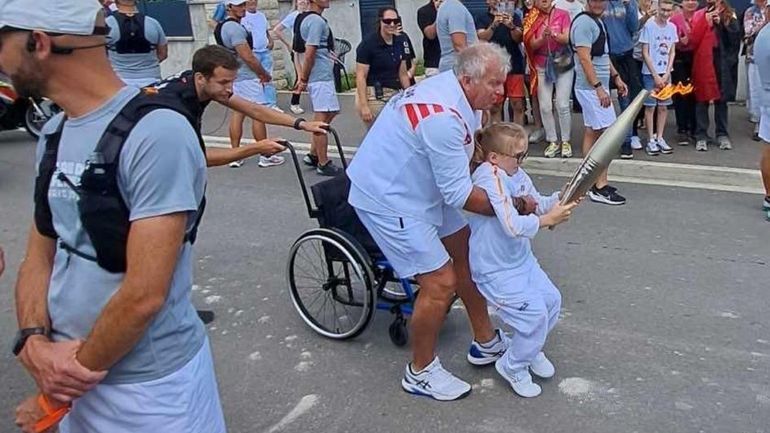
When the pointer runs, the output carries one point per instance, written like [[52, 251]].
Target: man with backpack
[[103, 294], [594, 71], [136, 45], [251, 79], [314, 42]]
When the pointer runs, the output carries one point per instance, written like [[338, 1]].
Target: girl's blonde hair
[[499, 138]]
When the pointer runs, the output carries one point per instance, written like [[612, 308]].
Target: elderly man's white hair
[[475, 60]]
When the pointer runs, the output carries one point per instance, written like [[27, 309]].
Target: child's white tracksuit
[[504, 267]]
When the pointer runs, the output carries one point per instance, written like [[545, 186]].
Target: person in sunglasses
[[502, 264], [381, 65]]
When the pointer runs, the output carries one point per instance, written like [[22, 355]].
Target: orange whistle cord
[[671, 90], [52, 416]]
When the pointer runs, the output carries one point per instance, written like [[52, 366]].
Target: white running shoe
[[701, 146], [636, 143], [236, 164], [296, 109], [664, 147], [537, 136], [276, 108], [542, 367], [434, 382], [652, 147], [488, 353], [270, 161], [724, 143], [520, 380]]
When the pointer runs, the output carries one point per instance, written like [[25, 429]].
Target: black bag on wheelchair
[[331, 199]]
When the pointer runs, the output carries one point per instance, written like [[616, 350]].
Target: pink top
[[683, 30], [559, 22]]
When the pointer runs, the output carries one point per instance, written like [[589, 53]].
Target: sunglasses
[[391, 21], [519, 157]]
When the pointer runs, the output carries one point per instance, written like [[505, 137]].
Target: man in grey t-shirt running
[[455, 30], [107, 339]]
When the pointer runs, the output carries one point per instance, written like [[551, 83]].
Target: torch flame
[[671, 90]]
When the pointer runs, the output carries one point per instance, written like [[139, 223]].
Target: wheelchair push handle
[[337, 143]]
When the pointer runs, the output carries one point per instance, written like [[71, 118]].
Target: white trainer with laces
[[520, 380], [636, 143], [270, 161], [485, 354], [434, 382], [652, 147], [542, 366], [236, 164], [664, 147], [296, 109]]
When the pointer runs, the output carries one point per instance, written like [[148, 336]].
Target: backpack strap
[[45, 171]]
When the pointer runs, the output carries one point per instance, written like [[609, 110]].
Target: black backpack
[[597, 48], [298, 44], [132, 38], [103, 212], [218, 34]]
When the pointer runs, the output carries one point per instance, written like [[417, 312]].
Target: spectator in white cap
[[136, 45], [110, 350]]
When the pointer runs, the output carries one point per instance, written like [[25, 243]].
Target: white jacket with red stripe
[[416, 156]]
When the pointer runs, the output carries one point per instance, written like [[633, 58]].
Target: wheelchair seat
[[331, 199]]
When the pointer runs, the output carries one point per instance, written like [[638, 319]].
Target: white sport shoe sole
[[526, 390]]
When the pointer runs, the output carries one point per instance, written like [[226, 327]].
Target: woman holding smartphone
[[381, 65]]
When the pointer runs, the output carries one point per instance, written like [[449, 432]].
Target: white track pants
[[530, 303]]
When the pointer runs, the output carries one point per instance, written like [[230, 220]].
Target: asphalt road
[[665, 324]]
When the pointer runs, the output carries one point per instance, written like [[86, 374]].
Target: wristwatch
[[597, 84], [23, 334]]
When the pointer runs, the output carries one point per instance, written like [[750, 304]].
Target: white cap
[[71, 17], [235, 2]]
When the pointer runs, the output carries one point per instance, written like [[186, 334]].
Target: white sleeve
[[444, 138], [491, 180], [544, 203]]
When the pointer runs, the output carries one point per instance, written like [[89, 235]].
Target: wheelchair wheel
[[331, 283], [399, 334]]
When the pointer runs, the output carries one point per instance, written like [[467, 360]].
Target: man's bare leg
[[475, 305], [437, 289], [517, 106], [319, 143], [236, 128], [589, 138], [258, 130]]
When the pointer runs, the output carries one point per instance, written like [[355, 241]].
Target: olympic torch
[[603, 151]]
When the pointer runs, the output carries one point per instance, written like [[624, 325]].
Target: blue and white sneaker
[[487, 353], [434, 382]]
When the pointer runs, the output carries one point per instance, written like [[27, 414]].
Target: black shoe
[[607, 195], [683, 138], [626, 153], [328, 169], [206, 316], [310, 160], [756, 137]]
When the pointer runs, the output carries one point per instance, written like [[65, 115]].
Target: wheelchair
[[337, 276]]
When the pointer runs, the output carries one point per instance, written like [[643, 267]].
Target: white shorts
[[595, 116], [250, 90], [764, 124], [411, 246], [323, 97], [184, 401]]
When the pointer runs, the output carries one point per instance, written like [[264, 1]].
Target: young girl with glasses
[[501, 259]]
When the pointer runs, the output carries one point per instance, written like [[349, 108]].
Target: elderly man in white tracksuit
[[409, 181]]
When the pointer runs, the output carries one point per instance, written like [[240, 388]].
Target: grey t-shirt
[[234, 34], [315, 31], [584, 32], [453, 17], [161, 171], [141, 65]]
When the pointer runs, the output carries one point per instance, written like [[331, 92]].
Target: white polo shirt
[[415, 158]]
